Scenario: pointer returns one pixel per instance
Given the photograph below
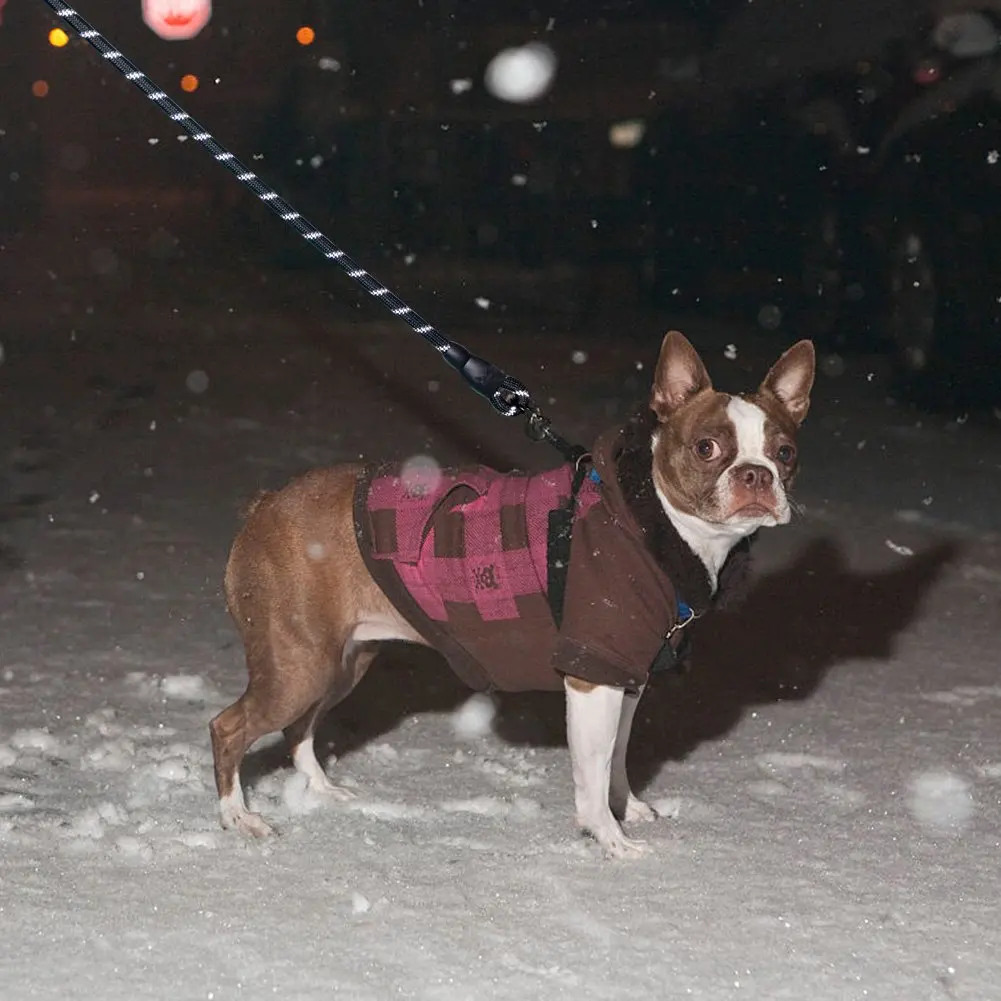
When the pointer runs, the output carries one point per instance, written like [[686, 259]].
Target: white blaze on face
[[749, 422]]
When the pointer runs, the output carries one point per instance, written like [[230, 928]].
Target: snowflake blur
[[177, 20], [521, 75]]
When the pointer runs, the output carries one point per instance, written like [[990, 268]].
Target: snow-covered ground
[[829, 775]]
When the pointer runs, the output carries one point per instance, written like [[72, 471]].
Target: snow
[[827, 777]]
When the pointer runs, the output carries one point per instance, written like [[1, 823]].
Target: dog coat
[[461, 554]]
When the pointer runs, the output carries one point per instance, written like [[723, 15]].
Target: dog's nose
[[756, 477]]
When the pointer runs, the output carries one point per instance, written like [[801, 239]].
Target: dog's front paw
[[613, 841], [621, 847], [636, 811], [252, 824]]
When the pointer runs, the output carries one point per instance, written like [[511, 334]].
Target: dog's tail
[[253, 504]]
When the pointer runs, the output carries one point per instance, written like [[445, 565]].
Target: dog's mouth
[[755, 511]]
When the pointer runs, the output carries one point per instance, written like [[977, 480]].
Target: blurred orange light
[[189, 83], [305, 35], [58, 37], [40, 88]]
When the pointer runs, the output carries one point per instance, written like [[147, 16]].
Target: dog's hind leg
[[356, 660], [288, 679], [624, 804]]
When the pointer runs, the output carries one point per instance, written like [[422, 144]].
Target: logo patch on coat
[[485, 578]]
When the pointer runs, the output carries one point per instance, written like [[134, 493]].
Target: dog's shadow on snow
[[798, 623]]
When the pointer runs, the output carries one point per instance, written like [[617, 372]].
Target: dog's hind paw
[[636, 811], [325, 787]]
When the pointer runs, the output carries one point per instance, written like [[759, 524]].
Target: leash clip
[[687, 616], [539, 427]]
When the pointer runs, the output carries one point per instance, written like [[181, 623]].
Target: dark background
[[766, 128]]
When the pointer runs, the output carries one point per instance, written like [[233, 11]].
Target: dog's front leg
[[593, 714], [621, 799]]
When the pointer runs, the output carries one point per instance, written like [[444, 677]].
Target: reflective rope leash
[[506, 394]]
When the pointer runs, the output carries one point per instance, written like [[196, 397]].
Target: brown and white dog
[[302, 588]]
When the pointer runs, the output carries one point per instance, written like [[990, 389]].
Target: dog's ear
[[680, 375], [791, 379]]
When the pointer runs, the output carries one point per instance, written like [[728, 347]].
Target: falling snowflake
[[197, 381], [328, 63], [992, 157], [579, 357], [474, 719], [460, 86], [898, 549], [730, 352], [482, 301], [420, 474], [520, 75], [519, 180], [770, 316], [940, 800]]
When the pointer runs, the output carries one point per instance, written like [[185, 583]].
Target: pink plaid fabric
[[470, 537]]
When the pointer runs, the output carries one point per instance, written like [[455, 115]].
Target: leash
[[507, 395]]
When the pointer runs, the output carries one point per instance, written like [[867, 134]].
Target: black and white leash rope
[[506, 394]]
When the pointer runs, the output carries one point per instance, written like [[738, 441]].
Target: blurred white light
[[770, 316], [627, 135], [421, 475], [474, 719], [522, 74], [176, 20]]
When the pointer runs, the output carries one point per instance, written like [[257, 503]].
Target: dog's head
[[723, 464]]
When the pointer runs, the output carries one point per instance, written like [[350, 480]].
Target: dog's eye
[[706, 448], [785, 454]]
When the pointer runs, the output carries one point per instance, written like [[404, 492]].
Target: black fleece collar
[[633, 459]]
